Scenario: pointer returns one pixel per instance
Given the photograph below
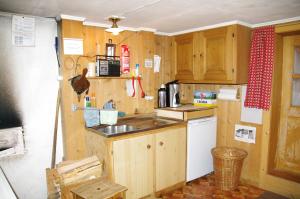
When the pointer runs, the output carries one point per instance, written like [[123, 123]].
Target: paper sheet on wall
[[73, 46], [156, 63], [23, 31], [245, 133], [148, 63], [251, 115]]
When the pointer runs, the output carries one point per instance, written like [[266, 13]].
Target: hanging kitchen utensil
[[133, 86], [143, 93], [80, 84]]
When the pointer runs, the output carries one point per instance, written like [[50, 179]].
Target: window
[[296, 78]]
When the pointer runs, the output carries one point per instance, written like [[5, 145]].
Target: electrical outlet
[[245, 133]]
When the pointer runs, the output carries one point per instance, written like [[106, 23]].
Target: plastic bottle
[[87, 101], [125, 59], [93, 100], [137, 66]]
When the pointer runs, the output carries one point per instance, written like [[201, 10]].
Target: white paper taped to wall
[[148, 63], [23, 31], [251, 115], [245, 133], [73, 46], [156, 63]]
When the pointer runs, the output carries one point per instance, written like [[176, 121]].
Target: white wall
[[33, 72]]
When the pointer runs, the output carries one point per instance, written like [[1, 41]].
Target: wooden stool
[[100, 188]]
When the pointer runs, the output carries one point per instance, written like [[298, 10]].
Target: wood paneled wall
[[163, 48], [145, 45], [141, 45], [255, 165]]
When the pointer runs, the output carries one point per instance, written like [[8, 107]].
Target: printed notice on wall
[[23, 31], [73, 46], [245, 133]]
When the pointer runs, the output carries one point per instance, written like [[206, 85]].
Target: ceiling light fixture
[[114, 29]]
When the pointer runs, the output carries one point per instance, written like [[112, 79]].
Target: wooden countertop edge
[[139, 132], [188, 110]]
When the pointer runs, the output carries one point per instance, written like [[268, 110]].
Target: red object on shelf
[[125, 59], [133, 86]]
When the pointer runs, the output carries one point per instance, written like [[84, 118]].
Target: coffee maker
[[173, 97]]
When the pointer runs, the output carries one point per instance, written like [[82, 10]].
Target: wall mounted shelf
[[111, 78]]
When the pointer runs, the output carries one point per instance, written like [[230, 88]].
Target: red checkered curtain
[[261, 68]]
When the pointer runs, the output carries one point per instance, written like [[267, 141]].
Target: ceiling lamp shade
[[114, 29]]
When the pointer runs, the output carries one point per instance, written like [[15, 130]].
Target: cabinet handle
[[148, 146], [200, 54], [161, 143]]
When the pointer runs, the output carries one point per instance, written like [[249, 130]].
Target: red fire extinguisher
[[125, 59]]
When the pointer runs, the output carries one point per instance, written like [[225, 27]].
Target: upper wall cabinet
[[184, 57], [218, 55]]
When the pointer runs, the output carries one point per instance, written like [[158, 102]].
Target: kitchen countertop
[[139, 123]]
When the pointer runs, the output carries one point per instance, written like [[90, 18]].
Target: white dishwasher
[[201, 138]]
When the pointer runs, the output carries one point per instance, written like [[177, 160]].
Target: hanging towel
[[261, 68]]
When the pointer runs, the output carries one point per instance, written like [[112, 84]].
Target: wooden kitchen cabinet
[[145, 162], [133, 165], [220, 55], [215, 54], [170, 156], [184, 57]]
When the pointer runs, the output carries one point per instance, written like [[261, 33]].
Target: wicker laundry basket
[[228, 162]]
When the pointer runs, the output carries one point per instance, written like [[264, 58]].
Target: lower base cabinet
[[150, 163], [133, 165], [170, 158]]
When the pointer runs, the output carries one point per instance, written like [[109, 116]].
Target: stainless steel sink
[[117, 129], [135, 124]]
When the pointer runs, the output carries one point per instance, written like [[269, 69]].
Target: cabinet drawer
[[184, 115], [198, 114]]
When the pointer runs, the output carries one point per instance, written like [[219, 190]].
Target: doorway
[[284, 152]]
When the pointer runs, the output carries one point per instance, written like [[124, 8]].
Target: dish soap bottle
[[93, 100]]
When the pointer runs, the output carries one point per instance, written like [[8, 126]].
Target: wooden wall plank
[[71, 135], [141, 45]]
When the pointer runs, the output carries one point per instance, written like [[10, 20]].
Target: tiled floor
[[204, 188]]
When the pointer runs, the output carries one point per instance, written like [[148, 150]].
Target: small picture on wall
[[245, 133]]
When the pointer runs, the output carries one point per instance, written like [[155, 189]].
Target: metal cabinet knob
[[148, 146], [161, 143]]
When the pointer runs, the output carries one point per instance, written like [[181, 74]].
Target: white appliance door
[[201, 138]]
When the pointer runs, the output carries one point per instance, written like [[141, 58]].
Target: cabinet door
[[216, 54], [184, 57], [133, 165], [170, 157]]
